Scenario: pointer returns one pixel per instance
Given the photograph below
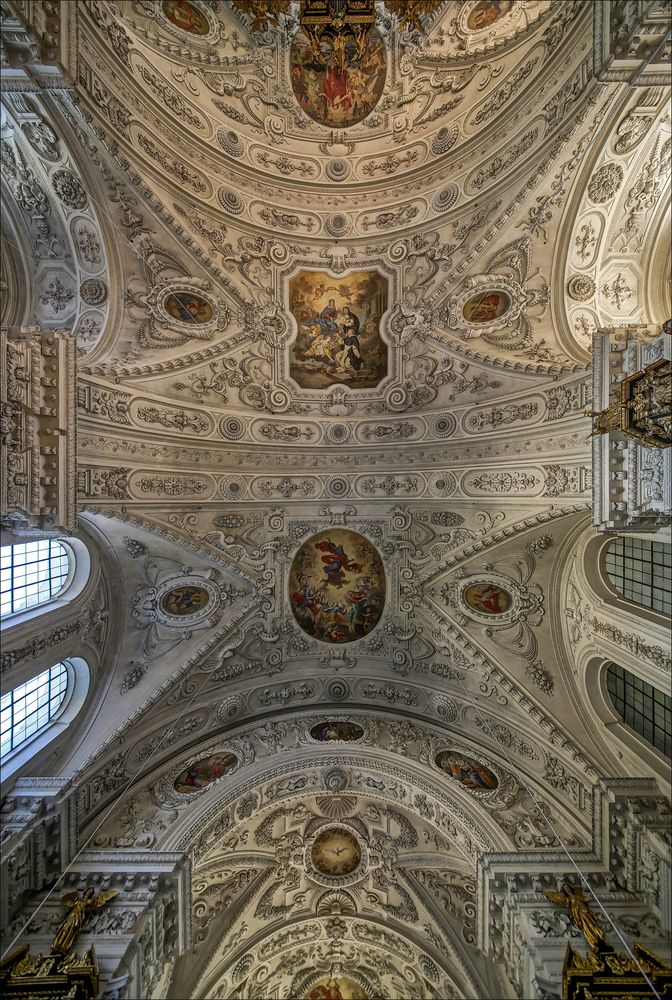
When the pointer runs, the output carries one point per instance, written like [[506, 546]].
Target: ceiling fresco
[[333, 306]]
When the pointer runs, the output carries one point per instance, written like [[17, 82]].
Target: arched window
[[32, 573], [642, 707], [28, 708], [640, 570]]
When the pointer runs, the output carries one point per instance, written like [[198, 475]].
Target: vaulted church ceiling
[[333, 461]]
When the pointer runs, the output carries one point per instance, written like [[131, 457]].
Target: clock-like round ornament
[[336, 852]]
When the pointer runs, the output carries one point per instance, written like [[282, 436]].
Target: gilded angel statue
[[582, 915], [77, 907]]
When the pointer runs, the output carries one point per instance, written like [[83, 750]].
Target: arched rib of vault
[[372, 950], [418, 866], [59, 194], [607, 255], [152, 813]]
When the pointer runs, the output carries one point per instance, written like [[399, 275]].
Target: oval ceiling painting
[[488, 598], [336, 988], [338, 85], [486, 307], [467, 770], [204, 772], [186, 17], [181, 601], [186, 307], [337, 586], [486, 12], [336, 729], [336, 852]]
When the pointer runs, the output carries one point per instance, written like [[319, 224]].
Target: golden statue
[[607, 420], [77, 907], [411, 12], [582, 915]]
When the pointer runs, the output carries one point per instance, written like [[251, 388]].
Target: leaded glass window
[[31, 573], [641, 571], [642, 707], [31, 706]]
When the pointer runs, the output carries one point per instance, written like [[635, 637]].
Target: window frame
[[67, 580], [15, 702], [632, 604], [627, 718], [78, 684], [78, 576]]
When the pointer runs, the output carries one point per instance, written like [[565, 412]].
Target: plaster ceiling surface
[[191, 224]]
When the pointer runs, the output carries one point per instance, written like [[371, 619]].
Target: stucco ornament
[[581, 287], [336, 856], [69, 189], [93, 291], [498, 300], [605, 182]]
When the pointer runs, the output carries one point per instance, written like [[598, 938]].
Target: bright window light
[[29, 707]]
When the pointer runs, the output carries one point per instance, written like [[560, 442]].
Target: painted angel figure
[[582, 915], [77, 907]]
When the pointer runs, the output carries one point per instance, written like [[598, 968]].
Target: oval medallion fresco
[[486, 12], [337, 586], [336, 852], [185, 16], [486, 307], [467, 770], [488, 598], [336, 729], [186, 600], [335, 93], [186, 307], [336, 988], [204, 772]]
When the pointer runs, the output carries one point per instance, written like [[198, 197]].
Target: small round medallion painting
[[336, 729], [186, 17], [336, 988], [338, 89], [488, 598], [204, 772], [186, 307], [486, 12], [337, 586], [181, 601], [469, 772], [486, 307], [336, 852]]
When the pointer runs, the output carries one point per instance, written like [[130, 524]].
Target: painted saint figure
[[185, 600], [337, 80], [184, 16], [203, 772], [486, 307], [327, 602], [486, 12], [187, 308], [336, 561], [336, 729], [469, 772], [338, 338], [489, 599]]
